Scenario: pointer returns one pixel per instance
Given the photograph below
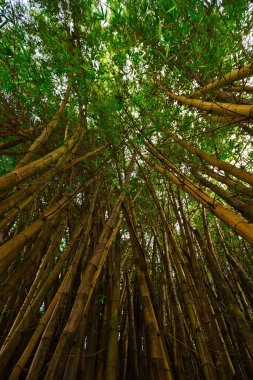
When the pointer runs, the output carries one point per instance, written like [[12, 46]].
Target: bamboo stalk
[[237, 223], [47, 131], [220, 164], [227, 79]]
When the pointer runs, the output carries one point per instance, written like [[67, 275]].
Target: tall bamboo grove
[[126, 190]]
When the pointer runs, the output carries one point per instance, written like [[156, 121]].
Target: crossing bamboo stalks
[[242, 88], [40, 141], [35, 167], [220, 164], [227, 79], [37, 362], [231, 219], [27, 191], [83, 295], [245, 332], [160, 365], [205, 357], [12, 247], [42, 283], [235, 187], [245, 208], [220, 108], [34, 299]]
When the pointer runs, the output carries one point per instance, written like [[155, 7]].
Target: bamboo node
[[234, 228]]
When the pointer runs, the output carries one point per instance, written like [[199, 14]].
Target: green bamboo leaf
[[160, 30], [73, 69], [146, 134], [171, 9], [31, 91], [157, 121], [89, 71], [167, 49]]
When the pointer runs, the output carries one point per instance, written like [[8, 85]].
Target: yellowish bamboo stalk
[[20, 174], [237, 223], [40, 141], [226, 80], [83, 294], [12, 247], [225, 109], [220, 164]]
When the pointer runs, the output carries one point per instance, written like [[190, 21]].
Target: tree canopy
[[126, 189]]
